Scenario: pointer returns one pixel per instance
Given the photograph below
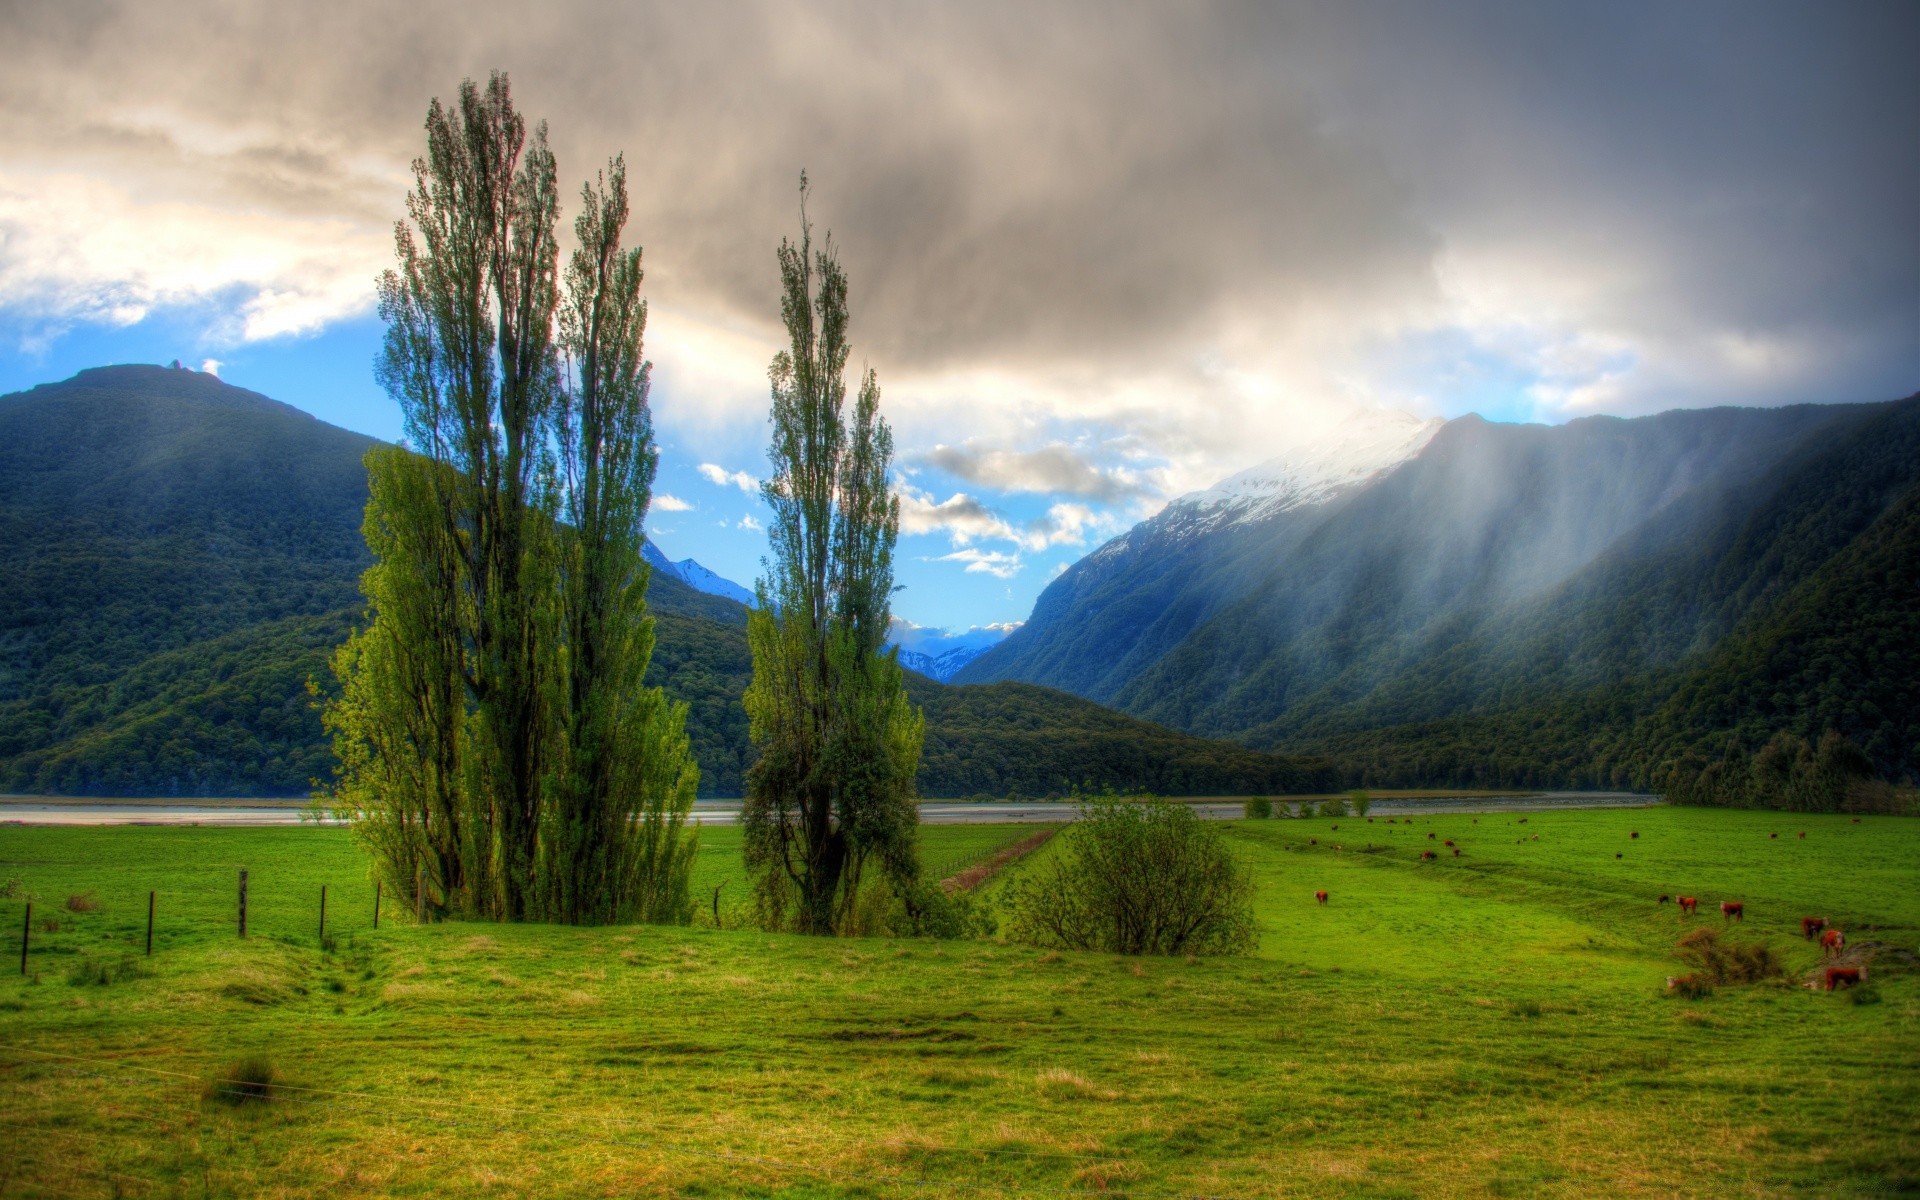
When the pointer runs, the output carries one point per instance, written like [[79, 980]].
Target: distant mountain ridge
[[939, 653], [1500, 568], [697, 577], [184, 554]]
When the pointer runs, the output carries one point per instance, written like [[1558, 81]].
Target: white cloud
[[986, 562], [84, 249], [748, 522], [722, 477], [211, 366], [668, 502], [966, 520]]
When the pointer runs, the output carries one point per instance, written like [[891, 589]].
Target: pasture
[[1489, 1025]]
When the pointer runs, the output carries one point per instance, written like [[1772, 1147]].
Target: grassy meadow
[[1489, 1025]]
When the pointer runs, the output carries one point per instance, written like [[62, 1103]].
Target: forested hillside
[[184, 555], [1611, 603]]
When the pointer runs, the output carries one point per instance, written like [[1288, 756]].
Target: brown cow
[[1456, 852], [1428, 854], [1313, 841], [1733, 910], [1634, 834], [1617, 854], [1320, 896], [1448, 842], [1431, 834], [1773, 835], [1844, 975], [1336, 827], [1523, 820], [1856, 820], [1811, 925], [1664, 898], [1803, 835], [1688, 904], [1832, 942]]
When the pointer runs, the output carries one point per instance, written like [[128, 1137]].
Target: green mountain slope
[[1793, 609], [184, 554]]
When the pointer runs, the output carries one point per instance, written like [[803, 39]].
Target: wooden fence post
[[243, 902], [26, 935], [376, 904], [323, 916], [420, 895], [149, 924]]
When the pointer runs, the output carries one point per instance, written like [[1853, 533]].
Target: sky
[[1100, 254]]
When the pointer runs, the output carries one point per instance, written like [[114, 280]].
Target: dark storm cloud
[[1724, 195]]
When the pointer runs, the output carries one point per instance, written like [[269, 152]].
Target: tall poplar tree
[[832, 789], [625, 783], [492, 731]]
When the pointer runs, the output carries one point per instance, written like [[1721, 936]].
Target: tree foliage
[[1135, 875], [832, 789], [493, 734]]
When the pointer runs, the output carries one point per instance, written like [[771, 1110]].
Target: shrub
[[1336, 807], [1360, 802], [82, 903], [12, 888], [1135, 876], [1722, 962], [1259, 808], [249, 1081]]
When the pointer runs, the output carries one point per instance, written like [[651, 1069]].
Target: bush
[[1360, 801], [1336, 807], [82, 903], [1259, 808], [1720, 962], [249, 1081], [1135, 876]]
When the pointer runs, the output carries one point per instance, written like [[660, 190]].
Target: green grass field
[[1492, 1025]]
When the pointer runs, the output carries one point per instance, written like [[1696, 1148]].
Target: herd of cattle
[[1832, 941]]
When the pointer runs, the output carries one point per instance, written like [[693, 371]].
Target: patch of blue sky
[[1453, 373]]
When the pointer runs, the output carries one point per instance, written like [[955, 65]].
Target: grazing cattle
[[1313, 841], [1476, 820], [1856, 820], [1523, 820], [1617, 854], [1733, 910], [1832, 942], [1811, 925], [1688, 904], [1369, 820], [1536, 837], [1431, 834], [1320, 896], [1664, 897], [1336, 827], [1456, 852], [1634, 834], [1449, 842], [1844, 975], [1428, 854], [1803, 835], [1773, 835]]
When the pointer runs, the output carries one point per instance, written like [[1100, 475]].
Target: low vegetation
[[1493, 1025], [1135, 876]]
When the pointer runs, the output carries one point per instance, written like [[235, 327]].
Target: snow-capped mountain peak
[[1360, 448], [697, 577]]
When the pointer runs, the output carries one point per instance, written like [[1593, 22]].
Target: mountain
[[1512, 601], [697, 577], [183, 555], [938, 653]]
